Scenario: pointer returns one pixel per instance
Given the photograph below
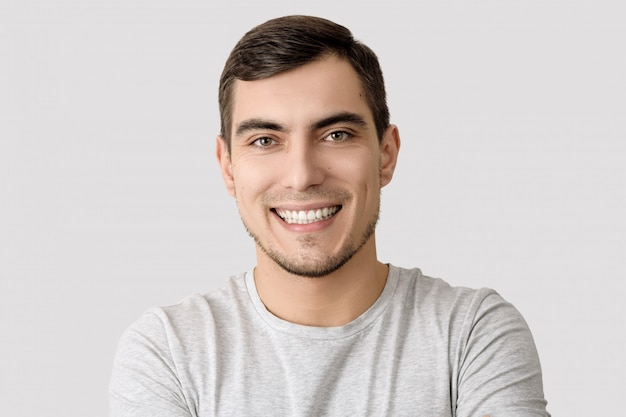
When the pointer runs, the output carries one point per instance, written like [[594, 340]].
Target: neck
[[333, 300]]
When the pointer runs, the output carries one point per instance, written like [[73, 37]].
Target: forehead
[[326, 86]]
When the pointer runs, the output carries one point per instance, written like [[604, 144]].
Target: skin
[[305, 140]]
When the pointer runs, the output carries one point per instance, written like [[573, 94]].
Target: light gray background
[[513, 120]]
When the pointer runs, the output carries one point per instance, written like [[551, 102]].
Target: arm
[[499, 373], [144, 381]]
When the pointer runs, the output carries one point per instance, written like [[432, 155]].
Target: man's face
[[306, 166]]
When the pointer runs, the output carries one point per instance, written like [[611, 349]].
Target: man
[[320, 327]]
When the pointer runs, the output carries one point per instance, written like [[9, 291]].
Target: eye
[[338, 136], [263, 142]]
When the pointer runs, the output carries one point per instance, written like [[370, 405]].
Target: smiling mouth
[[307, 216]]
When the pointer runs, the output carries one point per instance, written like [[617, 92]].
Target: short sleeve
[[144, 380], [500, 373]]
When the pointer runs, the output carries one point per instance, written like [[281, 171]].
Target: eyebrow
[[343, 117], [257, 124], [264, 124]]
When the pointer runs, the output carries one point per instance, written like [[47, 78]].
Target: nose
[[301, 166]]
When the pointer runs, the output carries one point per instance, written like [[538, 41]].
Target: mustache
[[273, 197]]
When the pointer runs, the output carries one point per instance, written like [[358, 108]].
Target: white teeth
[[307, 217]]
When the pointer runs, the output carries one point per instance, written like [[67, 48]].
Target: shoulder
[[492, 355], [158, 354], [193, 317], [437, 294], [465, 312]]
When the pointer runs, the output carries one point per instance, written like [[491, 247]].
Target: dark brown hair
[[288, 42]]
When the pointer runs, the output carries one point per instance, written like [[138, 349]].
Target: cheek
[[249, 181], [363, 172], [357, 165]]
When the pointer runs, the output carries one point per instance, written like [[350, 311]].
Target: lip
[[305, 207]]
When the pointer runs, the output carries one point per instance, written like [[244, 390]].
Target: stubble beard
[[304, 267]]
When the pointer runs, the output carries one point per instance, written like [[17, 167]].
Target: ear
[[389, 148], [226, 166]]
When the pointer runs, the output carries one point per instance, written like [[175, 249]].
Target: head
[[289, 42], [306, 144]]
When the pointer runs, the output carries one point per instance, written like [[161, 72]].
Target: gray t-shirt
[[423, 349]]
